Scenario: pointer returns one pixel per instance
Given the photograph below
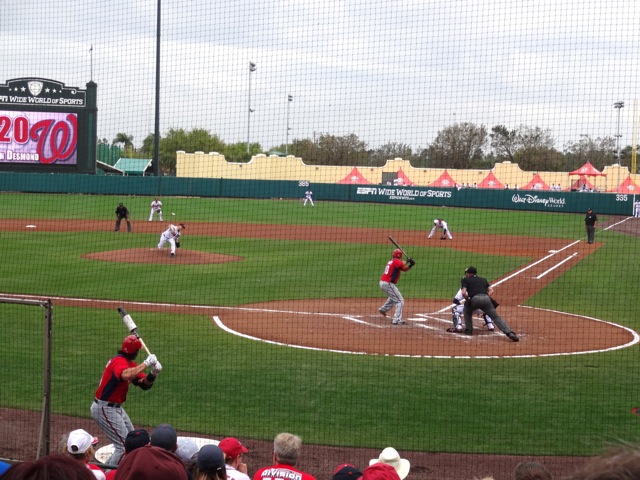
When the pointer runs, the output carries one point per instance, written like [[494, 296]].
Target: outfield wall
[[565, 202]]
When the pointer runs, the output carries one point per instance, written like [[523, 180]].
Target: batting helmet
[[131, 344], [397, 253]]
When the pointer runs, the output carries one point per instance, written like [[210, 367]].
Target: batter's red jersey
[[392, 271], [112, 388], [281, 472]]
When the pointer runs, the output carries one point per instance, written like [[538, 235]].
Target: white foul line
[[555, 266]]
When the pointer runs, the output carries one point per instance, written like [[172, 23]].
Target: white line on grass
[[556, 266]]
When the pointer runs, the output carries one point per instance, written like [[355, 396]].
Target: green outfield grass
[[215, 383]]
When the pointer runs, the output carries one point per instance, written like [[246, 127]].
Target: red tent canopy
[[443, 180], [490, 181], [355, 176], [581, 182], [536, 183], [403, 179], [588, 169], [628, 186]]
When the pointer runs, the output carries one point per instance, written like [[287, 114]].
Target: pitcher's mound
[[152, 255]]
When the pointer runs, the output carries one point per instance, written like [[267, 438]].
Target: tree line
[[458, 146]]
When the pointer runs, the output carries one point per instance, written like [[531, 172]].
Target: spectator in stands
[[346, 471], [210, 464], [81, 447], [390, 456], [151, 463], [165, 436], [531, 470], [50, 467], [380, 471], [286, 452], [188, 452], [135, 439], [618, 463], [233, 451]]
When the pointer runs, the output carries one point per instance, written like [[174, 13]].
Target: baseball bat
[[399, 247], [131, 326]]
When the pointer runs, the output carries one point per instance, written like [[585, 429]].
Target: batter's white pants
[[394, 297], [115, 423]]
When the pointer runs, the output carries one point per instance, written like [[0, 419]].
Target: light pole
[[619, 106], [252, 68], [286, 148]]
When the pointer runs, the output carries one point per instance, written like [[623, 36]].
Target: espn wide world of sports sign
[[569, 202]]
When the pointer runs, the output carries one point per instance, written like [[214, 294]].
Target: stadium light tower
[[619, 106], [252, 68], [286, 147]]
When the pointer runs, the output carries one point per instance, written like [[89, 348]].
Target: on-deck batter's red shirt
[[112, 388], [281, 472], [392, 270]]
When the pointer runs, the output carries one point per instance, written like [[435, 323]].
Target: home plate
[[30, 226], [103, 453]]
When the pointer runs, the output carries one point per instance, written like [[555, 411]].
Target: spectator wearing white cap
[[81, 447], [390, 456], [233, 451]]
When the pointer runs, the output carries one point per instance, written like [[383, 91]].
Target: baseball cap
[[346, 471], [135, 439], [380, 471], [232, 447], [589, 209], [187, 448], [471, 270], [79, 441], [164, 436], [210, 459]]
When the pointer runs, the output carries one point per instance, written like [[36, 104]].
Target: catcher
[[457, 312], [172, 235], [122, 213]]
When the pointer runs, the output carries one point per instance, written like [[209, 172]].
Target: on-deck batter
[[120, 372]]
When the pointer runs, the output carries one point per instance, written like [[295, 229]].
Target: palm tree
[[125, 140]]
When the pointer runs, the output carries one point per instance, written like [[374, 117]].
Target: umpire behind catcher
[[477, 292]]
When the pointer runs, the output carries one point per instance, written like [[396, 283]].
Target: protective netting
[[396, 116]]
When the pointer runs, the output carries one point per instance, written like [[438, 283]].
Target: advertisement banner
[[38, 138]]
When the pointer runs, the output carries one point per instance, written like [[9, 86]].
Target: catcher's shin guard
[[455, 318]]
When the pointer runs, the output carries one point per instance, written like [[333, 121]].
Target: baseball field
[[267, 320]]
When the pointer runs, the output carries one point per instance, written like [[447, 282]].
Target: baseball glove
[[177, 244]]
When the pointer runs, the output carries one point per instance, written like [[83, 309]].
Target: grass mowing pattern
[[218, 384]]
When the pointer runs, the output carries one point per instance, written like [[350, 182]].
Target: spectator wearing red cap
[[286, 451], [233, 451], [380, 471], [81, 447]]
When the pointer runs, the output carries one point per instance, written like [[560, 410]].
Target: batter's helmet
[[131, 344], [397, 253]]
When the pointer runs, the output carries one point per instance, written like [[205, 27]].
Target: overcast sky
[[386, 70]]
